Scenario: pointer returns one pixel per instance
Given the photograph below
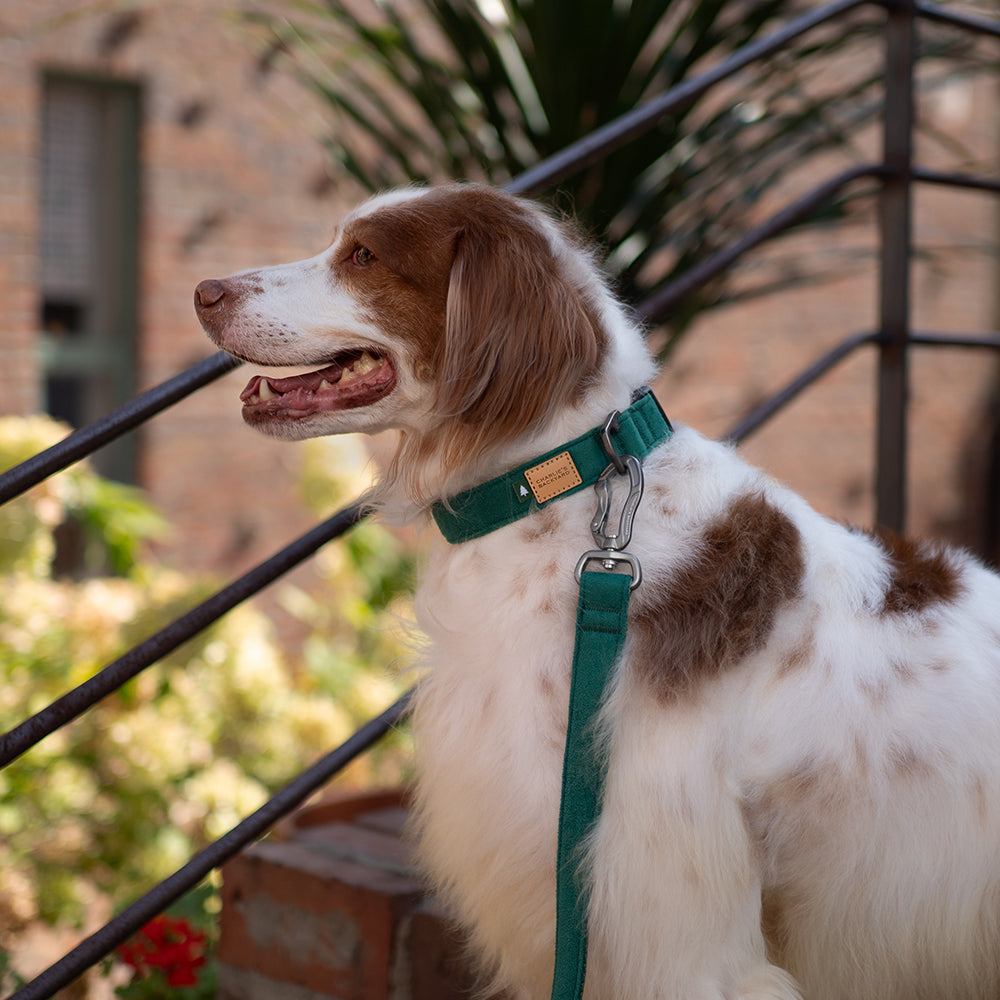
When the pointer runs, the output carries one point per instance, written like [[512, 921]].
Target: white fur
[[840, 782]]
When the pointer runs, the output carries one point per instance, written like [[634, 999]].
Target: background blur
[[145, 146]]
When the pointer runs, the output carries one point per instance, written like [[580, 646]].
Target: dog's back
[[804, 767]]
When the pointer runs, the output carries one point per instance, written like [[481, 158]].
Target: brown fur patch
[[861, 764], [800, 785], [539, 524], [550, 570], [906, 762], [799, 656], [922, 575], [467, 275], [812, 788], [546, 686], [903, 672], [774, 924], [721, 607], [875, 689]]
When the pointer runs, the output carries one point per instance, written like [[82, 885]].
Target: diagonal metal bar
[[776, 402], [657, 305], [88, 439], [757, 416], [102, 942], [75, 702], [958, 19], [633, 124]]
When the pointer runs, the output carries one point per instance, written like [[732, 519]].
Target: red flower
[[172, 946]]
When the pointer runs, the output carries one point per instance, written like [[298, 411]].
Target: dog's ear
[[521, 337]]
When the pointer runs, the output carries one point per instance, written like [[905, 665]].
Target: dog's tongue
[[309, 380]]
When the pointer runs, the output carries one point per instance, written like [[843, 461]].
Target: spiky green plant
[[482, 89]]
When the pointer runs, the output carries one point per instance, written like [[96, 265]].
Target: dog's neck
[[565, 469], [419, 477]]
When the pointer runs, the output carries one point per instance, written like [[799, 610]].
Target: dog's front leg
[[675, 910]]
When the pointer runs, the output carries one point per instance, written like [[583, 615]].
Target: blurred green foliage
[[119, 799]]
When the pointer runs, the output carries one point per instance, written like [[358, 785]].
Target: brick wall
[[823, 444], [230, 178], [331, 910]]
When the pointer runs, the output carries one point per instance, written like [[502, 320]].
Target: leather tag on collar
[[553, 477]]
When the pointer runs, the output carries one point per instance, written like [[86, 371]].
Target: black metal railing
[[892, 336]]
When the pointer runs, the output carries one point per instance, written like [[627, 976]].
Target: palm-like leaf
[[447, 91]]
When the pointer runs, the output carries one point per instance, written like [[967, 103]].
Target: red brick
[[334, 909]]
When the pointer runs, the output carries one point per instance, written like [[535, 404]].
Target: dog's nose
[[208, 293]]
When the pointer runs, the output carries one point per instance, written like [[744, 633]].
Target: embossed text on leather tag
[[553, 477]]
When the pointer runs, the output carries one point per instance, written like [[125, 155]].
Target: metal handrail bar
[[114, 675], [958, 19], [635, 123], [93, 948], [661, 301], [934, 339], [550, 171], [777, 401], [80, 443], [958, 180], [761, 413]]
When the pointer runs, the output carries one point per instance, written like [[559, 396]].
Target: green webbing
[[601, 621], [498, 502]]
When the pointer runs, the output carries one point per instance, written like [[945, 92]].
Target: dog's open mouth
[[354, 378]]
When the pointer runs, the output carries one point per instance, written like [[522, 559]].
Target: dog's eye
[[363, 257]]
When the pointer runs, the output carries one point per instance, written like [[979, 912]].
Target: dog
[[802, 733]]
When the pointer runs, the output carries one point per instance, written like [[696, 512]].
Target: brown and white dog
[[803, 731]]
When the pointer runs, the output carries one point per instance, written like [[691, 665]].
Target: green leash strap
[[601, 621]]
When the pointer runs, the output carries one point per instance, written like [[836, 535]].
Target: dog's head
[[460, 315]]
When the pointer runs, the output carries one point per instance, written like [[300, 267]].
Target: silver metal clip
[[611, 543], [622, 535], [609, 560]]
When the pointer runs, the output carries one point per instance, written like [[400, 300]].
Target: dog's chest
[[490, 719], [500, 619]]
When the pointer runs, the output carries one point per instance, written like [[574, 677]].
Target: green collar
[[557, 473]]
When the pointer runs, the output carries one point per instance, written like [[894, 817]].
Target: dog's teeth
[[265, 390], [324, 385], [364, 364]]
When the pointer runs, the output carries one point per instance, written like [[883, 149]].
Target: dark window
[[89, 240]]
